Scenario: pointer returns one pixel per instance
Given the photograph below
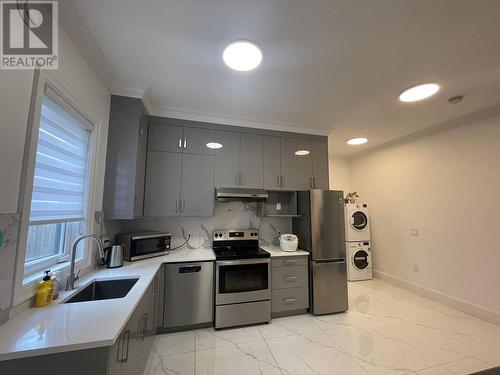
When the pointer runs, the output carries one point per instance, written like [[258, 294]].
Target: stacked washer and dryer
[[358, 250]]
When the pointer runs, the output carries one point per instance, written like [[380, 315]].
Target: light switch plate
[[415, 232]]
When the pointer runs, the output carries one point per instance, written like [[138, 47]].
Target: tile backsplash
[[9, 232], [228, 215]]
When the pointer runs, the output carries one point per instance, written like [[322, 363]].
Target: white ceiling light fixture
[[357, 141], [242, 55], [302, 152], [420, 92], [214, 145]]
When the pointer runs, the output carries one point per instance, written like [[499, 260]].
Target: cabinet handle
[[310, 182], [127, 335], [282, 181], [314, 182], [242, 179], [144, 326], [180, 143], [177, 205], [237, 178], [183, 205], [278, 181], [185, 142], [291, 261], [289, 278], [289, 300]]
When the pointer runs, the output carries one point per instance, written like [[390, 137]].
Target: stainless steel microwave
[[137, 246]]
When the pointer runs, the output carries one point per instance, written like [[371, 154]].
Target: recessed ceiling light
[[420, 92], [357, 141], [302, 152], [214, 145], [242, 56]]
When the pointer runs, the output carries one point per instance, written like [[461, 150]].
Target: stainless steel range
[[242, 279]]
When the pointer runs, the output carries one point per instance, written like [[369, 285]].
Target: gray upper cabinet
[[125, 159], [196, 139], [197, 197], [288, 164], [163, 184], [251, 161], [305, 176], [227, 159], [180, 139], [165, 138], [320, 165], [272, 163]]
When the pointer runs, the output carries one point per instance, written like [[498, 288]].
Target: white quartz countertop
[[75, 326], [277, 252]]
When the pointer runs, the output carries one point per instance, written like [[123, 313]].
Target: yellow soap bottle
[[44, 291]]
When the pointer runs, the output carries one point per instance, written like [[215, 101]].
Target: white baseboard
[[470, 308]]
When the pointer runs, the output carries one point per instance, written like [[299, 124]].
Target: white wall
[[76, 79], [340, 173], [447, 186], [15, 94]]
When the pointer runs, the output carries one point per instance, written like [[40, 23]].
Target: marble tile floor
[[387, 330]]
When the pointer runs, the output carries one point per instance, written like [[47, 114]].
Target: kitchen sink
[[104, 289]]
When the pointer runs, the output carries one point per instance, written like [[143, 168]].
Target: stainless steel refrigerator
[[321, 232]]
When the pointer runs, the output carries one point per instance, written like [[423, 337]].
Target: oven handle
[[242, 261]]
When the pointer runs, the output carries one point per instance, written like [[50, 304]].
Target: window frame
[[43, 84]]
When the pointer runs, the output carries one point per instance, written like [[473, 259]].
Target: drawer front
[[289, 277], [300, 260], [289, 299]]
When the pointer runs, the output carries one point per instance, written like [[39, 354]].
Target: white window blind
[[60, 180]]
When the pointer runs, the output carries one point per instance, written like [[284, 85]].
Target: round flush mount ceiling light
[[302, 152], [420, 92], [214, 145], [357, 141], [242, 55]]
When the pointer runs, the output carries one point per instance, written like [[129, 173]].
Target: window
[[60, 184]]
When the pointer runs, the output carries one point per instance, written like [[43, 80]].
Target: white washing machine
[[359, 256], [357, 224]]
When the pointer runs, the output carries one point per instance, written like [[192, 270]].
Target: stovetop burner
[[237, 244], [240, 253]]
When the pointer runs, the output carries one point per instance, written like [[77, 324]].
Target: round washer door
[[359, 221], [360, 259]]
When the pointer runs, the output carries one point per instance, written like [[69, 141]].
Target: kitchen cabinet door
[[197, 185], [304, 165], [272, 163], [288, 164], [165, 138], [227, 159], [140, 178], [159, 293], [196, 139], [163, 183], [132, 344], [320, 165], [252, 161]]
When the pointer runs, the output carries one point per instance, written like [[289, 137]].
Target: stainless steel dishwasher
[[188, 295]]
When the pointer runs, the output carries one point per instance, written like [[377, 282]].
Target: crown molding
[[223, 119]]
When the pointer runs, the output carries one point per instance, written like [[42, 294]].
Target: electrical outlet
[[414, 232], [416, 268], [278, 206]]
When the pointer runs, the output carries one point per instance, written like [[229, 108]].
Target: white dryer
[[357, 224], [359, 257]]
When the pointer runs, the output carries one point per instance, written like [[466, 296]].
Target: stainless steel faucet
[[70, 280]]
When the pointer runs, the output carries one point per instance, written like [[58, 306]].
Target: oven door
[[242, 280]]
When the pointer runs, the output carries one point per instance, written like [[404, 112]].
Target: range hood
[[240, 194]]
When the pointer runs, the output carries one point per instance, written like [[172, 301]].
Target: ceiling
[[328, 66]]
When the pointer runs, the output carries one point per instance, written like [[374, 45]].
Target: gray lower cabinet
[[125, 159], [289, 285], [179, 184], [280, 169], [127, 356]]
